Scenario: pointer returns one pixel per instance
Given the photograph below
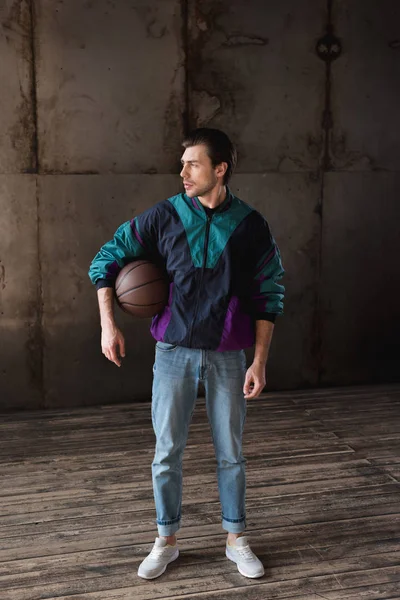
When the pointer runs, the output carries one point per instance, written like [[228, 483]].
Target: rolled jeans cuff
[[169, 529], [236, 526]]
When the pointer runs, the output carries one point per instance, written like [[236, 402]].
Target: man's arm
[[255, 376], [112, 339], [267, 299], [126, 245]]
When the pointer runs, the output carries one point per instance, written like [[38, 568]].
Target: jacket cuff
[[101, 283], [264, 316]]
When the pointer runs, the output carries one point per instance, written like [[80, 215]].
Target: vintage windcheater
[[223, 269]]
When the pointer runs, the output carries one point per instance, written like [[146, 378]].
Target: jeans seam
[[215, 448], [169, 522], [166, 349], [241, 520]]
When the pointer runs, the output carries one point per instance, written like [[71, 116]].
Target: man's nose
[[183, 171]]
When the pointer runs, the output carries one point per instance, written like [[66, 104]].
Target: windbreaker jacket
[[223, 270]]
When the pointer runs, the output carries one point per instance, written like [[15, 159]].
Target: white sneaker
[[159, 558], [247, 562]]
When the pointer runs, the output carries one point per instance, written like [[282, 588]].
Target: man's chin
[[191, 192]]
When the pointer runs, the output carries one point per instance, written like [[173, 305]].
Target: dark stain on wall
[[238, 41], [23, 129], [17, 28], [172, 124], [184, 14], [34, 358], [325, 165], [206, 81], [2, 276], [19, 31], [35, 137], [219, 97], [153, 23], [36, 341], [155, 29], [345, 159]]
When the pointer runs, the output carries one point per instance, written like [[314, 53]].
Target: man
[[223, 265]]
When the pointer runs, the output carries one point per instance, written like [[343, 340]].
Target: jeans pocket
[[165, 347]]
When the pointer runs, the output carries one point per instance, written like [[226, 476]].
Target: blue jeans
[[177, 372]]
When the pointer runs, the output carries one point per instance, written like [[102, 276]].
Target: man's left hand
[[255, 381]]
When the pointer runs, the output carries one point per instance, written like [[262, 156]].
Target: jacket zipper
[[209, 217]]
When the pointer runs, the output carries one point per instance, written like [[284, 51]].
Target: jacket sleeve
[[128, 243], [268, 294]]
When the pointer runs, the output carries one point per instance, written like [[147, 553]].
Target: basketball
[[141, 289]]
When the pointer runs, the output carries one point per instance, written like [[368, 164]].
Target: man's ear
[[221, 169]]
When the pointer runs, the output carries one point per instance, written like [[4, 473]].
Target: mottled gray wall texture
[[95, 98]]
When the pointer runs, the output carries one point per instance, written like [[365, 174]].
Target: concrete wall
[[97, 96]]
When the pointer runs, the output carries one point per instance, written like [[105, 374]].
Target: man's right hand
[[113, 344]]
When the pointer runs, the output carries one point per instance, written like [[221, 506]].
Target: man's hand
[[113, 344], [255, 380]]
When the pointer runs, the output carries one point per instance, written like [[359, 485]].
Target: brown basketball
[[141, 289]]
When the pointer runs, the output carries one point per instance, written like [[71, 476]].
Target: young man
[[223, 265]]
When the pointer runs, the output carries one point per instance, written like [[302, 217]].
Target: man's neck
[[214, 198]]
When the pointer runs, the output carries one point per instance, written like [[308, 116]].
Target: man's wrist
[[107, 323], [262, 362]]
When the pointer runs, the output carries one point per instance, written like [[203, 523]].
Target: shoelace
[[245, 552], [157, 552]]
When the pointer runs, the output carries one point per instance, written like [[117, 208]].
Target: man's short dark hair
[[219, 147]]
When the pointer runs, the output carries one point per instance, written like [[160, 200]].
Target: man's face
[[198, 174]]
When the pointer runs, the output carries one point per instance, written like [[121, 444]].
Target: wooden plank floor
[[323, 502]]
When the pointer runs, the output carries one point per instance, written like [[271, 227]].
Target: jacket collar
[[223, 207]]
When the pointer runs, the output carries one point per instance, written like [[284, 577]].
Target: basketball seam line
[[140, 286], [135, 266], [130, 304]]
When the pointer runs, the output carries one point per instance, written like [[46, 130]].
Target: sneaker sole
[[174, 557], [240, 570]]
